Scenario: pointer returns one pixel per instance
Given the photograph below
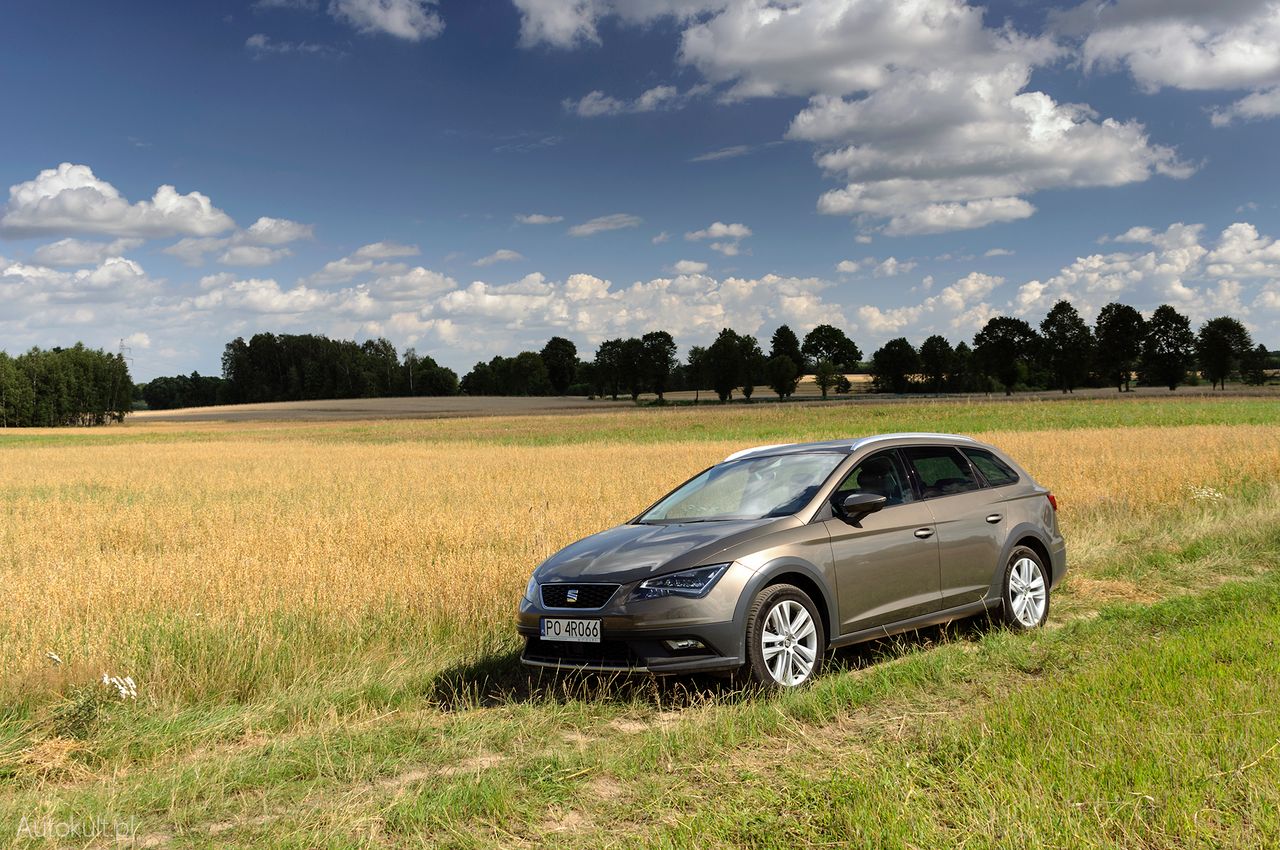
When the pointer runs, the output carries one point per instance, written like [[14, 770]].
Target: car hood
[[634, 552]]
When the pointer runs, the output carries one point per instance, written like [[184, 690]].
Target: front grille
[[584, 597], [613, 652]]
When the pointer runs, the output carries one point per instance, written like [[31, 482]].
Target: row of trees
[[1007, 353], [1066, 353], [297, 367], [63, 386]]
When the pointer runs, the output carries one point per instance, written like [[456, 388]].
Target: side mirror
[[857, 505]]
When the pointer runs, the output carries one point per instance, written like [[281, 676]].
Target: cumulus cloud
[[664, 236], [538, 218], [78, 252], [689, 267], [998, 252], [71, 199], [849, 266], [1253, 106], [727, 237], [385, 250], [959, 307], [258, 245], [892, 267], [616, 221], [924, 114], [502, 255], [411, 20]]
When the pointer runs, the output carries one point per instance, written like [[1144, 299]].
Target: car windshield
[[750, 488]]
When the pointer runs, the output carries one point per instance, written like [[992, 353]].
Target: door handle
[[924, 533], [994, 518]]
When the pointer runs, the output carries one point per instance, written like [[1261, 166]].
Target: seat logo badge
[[572, 596]]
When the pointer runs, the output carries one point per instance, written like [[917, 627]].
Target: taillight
[[1053, 502]]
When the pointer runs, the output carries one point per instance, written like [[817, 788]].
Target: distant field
[[318, 615]]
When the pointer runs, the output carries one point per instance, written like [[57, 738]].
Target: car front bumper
[[631, 650]]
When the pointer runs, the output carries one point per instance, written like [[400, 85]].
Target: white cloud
[[502, 255], [960, 307], [689, 267], [862, 239], [138, 339], [892, 267], [722, 153], [411, 20], [664, 236], [729, 236], [1243, 253], [78, 252], [1251, 107], [849, 266], [255, 246], [261, 45], [252, 255], [385, 250], [71, 199], [1193, 46], [616, 221], [923, 113], [596, 103], [998, 252], [538, 218]]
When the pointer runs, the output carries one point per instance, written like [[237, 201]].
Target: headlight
[[693, 583], [531, 588]]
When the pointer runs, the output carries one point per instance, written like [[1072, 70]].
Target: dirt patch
[[1099, 591], [475, 764], [605, 788]]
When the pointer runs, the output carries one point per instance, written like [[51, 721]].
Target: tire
[[1025, 591], [785, 638]]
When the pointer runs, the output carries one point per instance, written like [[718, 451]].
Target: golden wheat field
[[255, 560]]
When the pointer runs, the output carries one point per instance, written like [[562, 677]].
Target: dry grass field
[[294, 577]]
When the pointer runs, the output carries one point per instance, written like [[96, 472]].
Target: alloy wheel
[[789, 643], [1027, 593]]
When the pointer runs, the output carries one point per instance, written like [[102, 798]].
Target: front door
[[969, 518], [887, 562]]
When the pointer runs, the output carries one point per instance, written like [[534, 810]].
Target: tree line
[[81, 386], [63, 386], [300, 367]]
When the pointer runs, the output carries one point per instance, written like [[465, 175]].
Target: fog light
[[684, 643]]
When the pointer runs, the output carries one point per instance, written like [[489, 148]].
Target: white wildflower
[[125, 688], [1207, 495]]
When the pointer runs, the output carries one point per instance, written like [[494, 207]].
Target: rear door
[[969, 519], [887, 562]]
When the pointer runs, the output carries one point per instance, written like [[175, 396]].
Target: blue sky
[[369, 167]]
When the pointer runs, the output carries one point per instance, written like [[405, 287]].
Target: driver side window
[[881, 474]]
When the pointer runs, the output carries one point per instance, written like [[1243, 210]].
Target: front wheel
[[1026, 590], [785, 638]]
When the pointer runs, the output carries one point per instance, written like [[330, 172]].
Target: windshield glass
[[751, 488]]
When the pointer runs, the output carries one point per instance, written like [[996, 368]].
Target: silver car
[[767, 560]]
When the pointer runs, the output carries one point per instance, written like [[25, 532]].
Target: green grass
[[1142, 726], [746, 423]]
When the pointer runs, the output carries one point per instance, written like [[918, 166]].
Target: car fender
[[1020, 531], [767, 575]]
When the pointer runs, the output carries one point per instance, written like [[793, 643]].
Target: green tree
[[609, 367], [893, 365], [560, 356], [824, 375], [1004, 349], [937, 361], [827, 342], [1254, 367], [724, 364], [1067, 346], [698, 371], [1167, 348], [631, 366], [1118, 335], [1221, 345], [753, 361], [785, 343], [782, 375], [659, 360]]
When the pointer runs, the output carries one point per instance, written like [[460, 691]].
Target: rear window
[[942, 471], [996, 471]]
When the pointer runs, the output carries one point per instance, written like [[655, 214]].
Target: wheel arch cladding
[[812, 588]]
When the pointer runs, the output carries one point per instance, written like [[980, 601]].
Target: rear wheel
[[1026, 590], [785, 638]]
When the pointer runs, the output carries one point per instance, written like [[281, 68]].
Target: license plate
[[575, 631]]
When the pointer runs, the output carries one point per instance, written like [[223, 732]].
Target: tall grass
[[233, 571]]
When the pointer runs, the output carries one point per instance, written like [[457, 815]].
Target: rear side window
[[996, 471], [942, 470]]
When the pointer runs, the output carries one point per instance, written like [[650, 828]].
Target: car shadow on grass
[[498, 678]]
